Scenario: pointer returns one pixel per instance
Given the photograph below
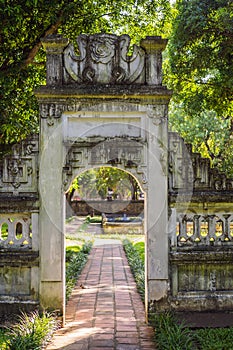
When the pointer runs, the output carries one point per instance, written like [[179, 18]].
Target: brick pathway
[[105, 311]]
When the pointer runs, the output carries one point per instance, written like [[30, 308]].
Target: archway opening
[[104, 202], [98, 186]]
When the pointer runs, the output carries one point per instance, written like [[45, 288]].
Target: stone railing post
[[54, 46], [154, 46]]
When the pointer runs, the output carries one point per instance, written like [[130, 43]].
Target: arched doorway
[[122, 123], [105, 189]]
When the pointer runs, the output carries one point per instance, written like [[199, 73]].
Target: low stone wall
[[83, 208], [123, 228], [202, 280], [201, 255], [19, 279]]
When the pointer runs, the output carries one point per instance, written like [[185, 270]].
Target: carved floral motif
[[103, 59], [102, 48]]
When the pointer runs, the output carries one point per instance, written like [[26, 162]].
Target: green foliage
[[32, 331], [22, 60], [169, 335], [94, 219], [137, 266], [3, 339], [75, 261], [70, 251], [140, 247], [172, 335], [215, 338], [94, 184], [200, 74], [4, 231]]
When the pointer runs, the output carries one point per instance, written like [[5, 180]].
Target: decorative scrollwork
[[19, 169], [103, 59]]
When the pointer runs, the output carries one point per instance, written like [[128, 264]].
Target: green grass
[[76, 258], [140, 248], [169, 333], [32, 332], [97, 219], [215, 338], [136, 263], [3, 339]]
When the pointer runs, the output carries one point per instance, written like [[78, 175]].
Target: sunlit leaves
[[95, 183], [24, 23], [200, 74]]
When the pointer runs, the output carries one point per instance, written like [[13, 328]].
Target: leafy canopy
[[22, 61], [198, 65], [200, 74], [96, 183]]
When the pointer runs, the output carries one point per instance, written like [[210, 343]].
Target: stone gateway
[[103, 107]]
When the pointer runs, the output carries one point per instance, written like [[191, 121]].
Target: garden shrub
[[137, 266], [75, 261], [32, 331]]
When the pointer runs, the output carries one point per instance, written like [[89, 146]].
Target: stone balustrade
[[15, 231], [196, 230]]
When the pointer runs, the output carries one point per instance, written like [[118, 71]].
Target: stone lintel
[[107, 92], [201, 197], [207, 256]]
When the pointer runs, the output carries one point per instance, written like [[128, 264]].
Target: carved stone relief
[[50, 111], [187, 168], [158, 113], [103, 59], [127, 154], [18, 170]]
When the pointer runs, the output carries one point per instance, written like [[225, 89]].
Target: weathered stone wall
[[19, 239], [201, 232], [19, 281]]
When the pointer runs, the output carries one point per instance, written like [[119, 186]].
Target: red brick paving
[[108, 313]]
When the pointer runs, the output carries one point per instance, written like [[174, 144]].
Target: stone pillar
[[157, 211], [154, 46], [54, 46], [51, 224]]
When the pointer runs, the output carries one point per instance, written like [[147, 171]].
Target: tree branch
[[51, 30]]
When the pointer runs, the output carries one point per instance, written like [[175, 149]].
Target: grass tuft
[[215, 338], [75, 261], [170, 335], [32, 331]]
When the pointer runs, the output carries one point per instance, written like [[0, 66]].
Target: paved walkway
[[105, 311]]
